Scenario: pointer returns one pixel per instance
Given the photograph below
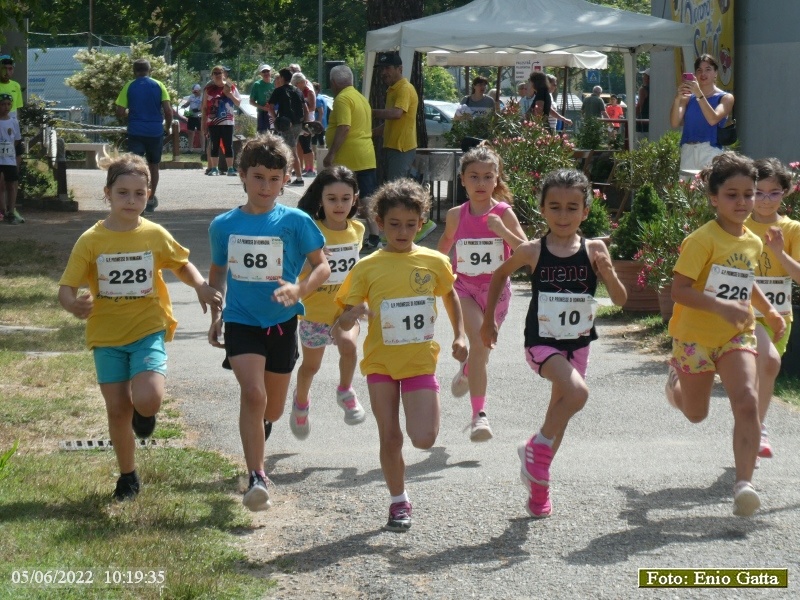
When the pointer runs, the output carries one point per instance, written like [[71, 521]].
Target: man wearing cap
[[259, 95], [143, 100], [8, 85], [399, 129], [643, 102], [194, 108]]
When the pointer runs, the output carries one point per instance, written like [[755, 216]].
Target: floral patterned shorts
[[694, 358], [315, 335]]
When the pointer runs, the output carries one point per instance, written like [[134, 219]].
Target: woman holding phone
[[701, 107]]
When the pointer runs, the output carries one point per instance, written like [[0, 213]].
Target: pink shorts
[[470, 287], [409, 384], [538, 355]]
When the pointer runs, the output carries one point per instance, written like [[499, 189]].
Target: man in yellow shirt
[[349, 140], [399, 130]]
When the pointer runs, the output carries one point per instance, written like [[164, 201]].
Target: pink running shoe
[[764, 448], [538, 505], [535, 459], [298, 420], [399, 517]]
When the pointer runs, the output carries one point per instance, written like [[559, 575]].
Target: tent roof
[[532, 25], [557, 58]]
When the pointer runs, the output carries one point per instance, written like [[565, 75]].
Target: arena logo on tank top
[[564, 274]]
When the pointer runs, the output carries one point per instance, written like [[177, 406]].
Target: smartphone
[[688, 76]]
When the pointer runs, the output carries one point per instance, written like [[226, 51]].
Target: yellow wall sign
[[713, 34]]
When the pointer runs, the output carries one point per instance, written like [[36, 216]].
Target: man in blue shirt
[[143, 100]]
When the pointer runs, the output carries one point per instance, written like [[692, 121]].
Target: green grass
[[55, 507], [55, 513], [788, 389]]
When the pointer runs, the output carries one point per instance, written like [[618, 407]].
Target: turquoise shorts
[[114, 364]]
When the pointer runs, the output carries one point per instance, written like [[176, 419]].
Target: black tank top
[[570, 275]]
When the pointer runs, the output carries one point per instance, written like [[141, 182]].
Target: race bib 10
[[566, 316]]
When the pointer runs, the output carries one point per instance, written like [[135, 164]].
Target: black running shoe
[[267, 429], [151, 205], [399, 517], [143, 426], [127, 487]]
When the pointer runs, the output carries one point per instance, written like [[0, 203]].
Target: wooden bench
[[93, 151]]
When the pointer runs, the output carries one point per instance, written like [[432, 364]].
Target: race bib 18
[[408, 320], [255, 258], [125, 275]]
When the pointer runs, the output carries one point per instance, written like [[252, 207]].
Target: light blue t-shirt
[[250, 302]]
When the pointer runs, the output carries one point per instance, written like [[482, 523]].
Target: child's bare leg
[[692, 394], [249, 371], [385, 400], [768, 363], [568, 396], [147, 392], [738, 373], [312, 361], [277, 387], [478, 353], [119, 409], [347, 344], [423, 414]]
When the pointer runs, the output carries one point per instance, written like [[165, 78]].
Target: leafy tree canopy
[[105, 74]]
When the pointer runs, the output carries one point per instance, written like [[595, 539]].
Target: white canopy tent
[[558, 58], [515, 26]]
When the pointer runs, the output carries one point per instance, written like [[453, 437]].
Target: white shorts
[[695, 157]]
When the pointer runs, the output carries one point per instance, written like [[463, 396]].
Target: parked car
[[438, 120]]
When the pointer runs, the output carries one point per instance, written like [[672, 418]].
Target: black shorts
[[305, 143], [9, 173], [278, 344], [193, 123]]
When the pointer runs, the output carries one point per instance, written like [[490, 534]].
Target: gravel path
[[634, 485]]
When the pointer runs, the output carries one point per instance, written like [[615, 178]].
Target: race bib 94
[[479, 256]]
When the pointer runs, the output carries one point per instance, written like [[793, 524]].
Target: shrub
[[687, 209], [529, 151], [657, 163], [598, 223], [647, 207], [591, 134]]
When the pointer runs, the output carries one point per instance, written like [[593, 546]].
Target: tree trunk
[[382, 13]]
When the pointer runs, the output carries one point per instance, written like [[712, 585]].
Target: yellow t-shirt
[[769, 265], [117, 321], [357, 153], [707, 246], [401, 134], [421, 273], [321, 306]]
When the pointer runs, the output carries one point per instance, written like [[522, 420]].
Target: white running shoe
[[354, 413], [745, 499], [669, 388], [299, 419], [479, 430], [257, 496], [460, 385]]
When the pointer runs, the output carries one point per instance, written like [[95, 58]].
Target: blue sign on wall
[[593, 76]]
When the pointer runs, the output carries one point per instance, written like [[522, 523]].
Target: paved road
[[634, 485]]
